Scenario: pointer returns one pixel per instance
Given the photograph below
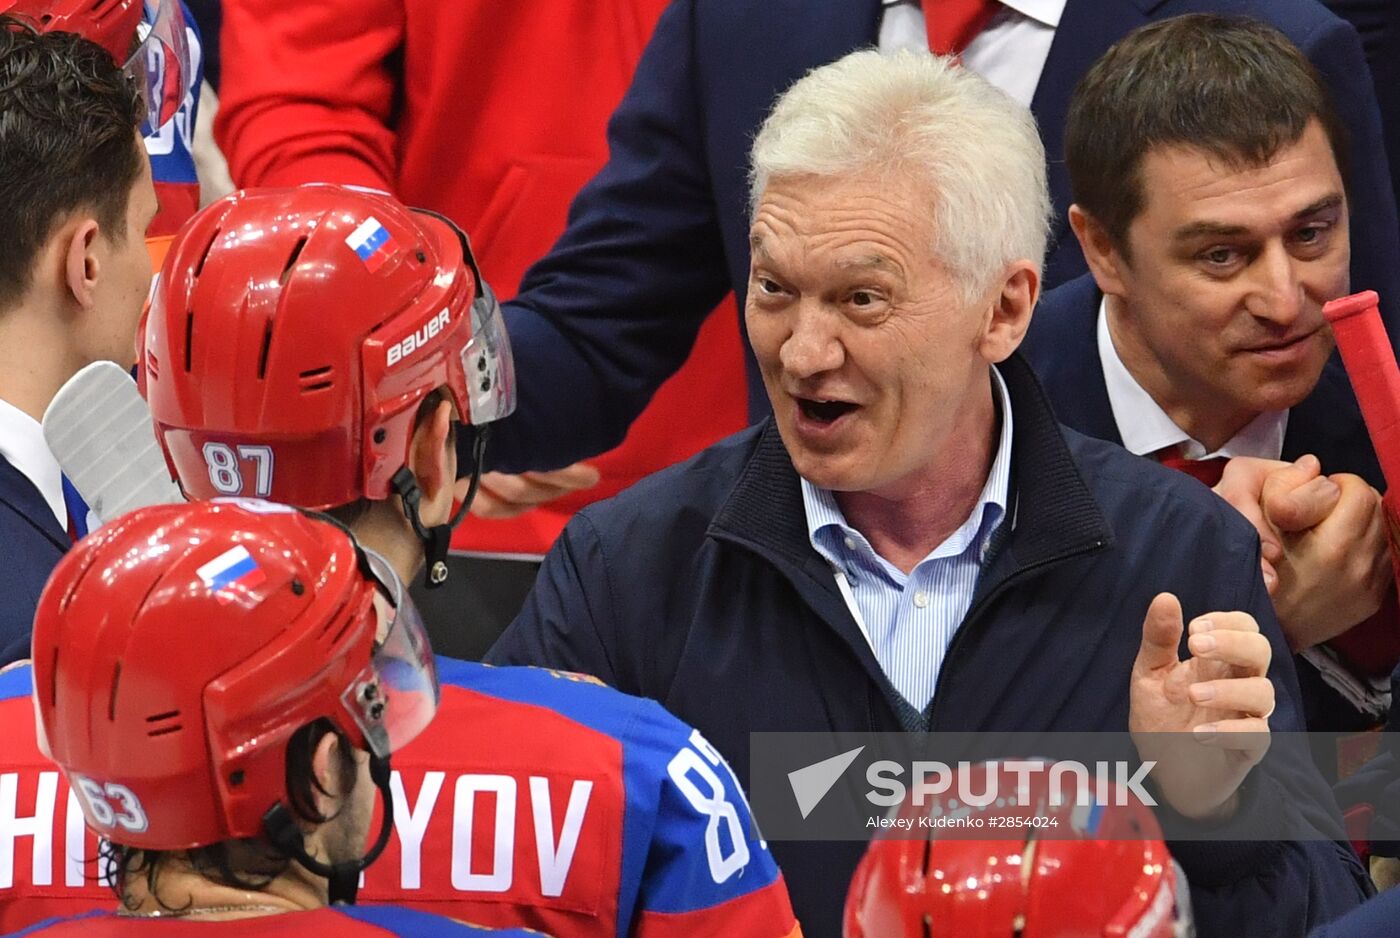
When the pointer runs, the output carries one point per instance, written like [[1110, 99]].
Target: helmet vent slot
[[152, 365], [266, 346], [189, 338], [204, 254], [292, 260], [317, 379], [112, 700], [163, 724]]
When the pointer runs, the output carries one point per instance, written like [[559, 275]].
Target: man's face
[[1230, 268], [126, 277], [868, 351]]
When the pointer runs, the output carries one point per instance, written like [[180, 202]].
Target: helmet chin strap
[[343, 879], [438, 538]]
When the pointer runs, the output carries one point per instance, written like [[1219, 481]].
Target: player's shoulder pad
[[401, 921], [580, 698], [16, 680]]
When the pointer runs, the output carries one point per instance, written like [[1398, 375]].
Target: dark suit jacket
[[31, 543], [1062, 346], [658, 237]]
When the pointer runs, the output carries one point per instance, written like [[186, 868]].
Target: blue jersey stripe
[[17, 681]]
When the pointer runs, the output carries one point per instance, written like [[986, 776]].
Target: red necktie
[[1208, 471], [953, 24]]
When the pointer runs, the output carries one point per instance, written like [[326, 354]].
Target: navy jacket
[[698, 587], [1062, 346], [659, 236], [1377, 918], [31, 543]]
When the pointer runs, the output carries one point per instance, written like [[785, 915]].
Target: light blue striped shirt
[[910, 619]]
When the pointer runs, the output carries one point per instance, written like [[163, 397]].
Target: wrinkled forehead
[[859, 221]]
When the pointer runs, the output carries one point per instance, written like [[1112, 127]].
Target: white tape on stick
[[99, 429]]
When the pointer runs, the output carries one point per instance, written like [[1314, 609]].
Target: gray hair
[[913, 112]]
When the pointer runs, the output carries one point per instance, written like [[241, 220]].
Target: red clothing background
[[491, 113]]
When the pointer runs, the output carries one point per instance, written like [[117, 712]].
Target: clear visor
[[160, 65], [487, 361], [397, 694]]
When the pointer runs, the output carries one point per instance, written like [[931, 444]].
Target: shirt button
[[921, 599], [850, 543]]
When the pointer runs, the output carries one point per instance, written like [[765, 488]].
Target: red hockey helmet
[[294, 332], [177, 649], [146, 38], [109, 23], [1077, 871]]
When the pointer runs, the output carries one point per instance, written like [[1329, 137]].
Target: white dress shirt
[[23, 446], [1010, 53], [909, 620], [1145, 427]]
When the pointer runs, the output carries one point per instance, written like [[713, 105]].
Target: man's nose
[[814, 345], [1276, 293]]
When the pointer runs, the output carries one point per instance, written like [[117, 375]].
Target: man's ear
[[325, 769], [1010, 311], [1106, 260], [81, 266], [434, 464]]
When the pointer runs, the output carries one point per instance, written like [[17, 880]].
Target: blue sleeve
[[613, 309], [705, 849], [1378, 918], [1335, 48]]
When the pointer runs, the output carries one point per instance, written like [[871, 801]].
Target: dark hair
[[1229, 85], [351, 512], [68, 118], [240, 864]]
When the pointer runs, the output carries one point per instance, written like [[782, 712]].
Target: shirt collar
[[1145, 427], [23, 446], [830, 534], [1046, 12]]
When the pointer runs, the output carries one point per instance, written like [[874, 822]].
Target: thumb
[[1296, 498], [1161, 634]]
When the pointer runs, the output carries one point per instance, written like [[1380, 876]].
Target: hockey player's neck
[[187, 894], [385, 530]]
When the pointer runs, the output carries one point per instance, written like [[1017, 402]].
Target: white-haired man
[[912, 542]]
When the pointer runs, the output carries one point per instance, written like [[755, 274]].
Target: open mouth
[[824, 412]]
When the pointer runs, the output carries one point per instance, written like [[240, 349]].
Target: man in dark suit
[[74, 272], [1215, 232], [660, 234]]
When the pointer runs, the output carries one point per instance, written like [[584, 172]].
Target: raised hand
[[1204, 720]]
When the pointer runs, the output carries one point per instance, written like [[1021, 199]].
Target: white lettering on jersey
[[418, 338], [39, 826], [555, 862], [74, 843], [501, 874], [411, 823], [554, 850]]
